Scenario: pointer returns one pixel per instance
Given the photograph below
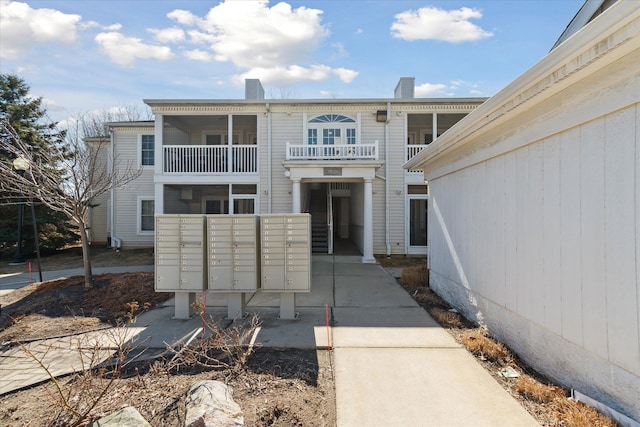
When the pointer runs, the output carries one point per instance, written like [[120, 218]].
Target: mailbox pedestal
[[286, 257]]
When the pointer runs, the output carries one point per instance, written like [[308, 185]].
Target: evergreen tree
[[28, 117]]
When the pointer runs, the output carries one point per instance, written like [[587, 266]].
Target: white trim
[[409, 249], [139, 150], [139, 230]]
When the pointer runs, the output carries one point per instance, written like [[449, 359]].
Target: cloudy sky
[[82, 55]]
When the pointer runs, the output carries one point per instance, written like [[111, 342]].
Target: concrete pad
[[348, 259], [160, 328], [352, 291], [388, 327], [321, 268], [426, 387], [360, 270], [308, 331]]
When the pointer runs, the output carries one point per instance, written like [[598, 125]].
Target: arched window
[[330, 129]]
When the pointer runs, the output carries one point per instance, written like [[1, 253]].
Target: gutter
[[386, 181], [112, 225], [269, 155]]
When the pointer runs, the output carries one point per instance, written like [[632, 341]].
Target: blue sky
[[84, 55]]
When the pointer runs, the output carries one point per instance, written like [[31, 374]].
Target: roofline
[[557, 70], [582, 18], [151, 102]]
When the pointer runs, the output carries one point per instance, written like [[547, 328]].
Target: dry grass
[[536, 391], [480, 344], [548, 403]]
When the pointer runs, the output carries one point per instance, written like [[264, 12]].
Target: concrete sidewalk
[[393, 364]]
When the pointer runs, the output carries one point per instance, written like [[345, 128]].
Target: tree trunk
[[86, 257]]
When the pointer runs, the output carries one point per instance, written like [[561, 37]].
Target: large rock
[[125, 417], [210, 404]]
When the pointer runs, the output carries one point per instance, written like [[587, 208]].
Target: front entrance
[[329, 206]]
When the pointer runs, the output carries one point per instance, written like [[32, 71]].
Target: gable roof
[[589, 10]]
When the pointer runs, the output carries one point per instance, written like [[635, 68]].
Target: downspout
[[115, 241], [386, 181], [269, 156]]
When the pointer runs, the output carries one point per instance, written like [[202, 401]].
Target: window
[[147, 150], [331, 129], [147, 209]]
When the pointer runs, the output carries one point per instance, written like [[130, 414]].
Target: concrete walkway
[[393, 364]]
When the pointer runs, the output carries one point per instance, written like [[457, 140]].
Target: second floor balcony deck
[[210, 159], [367, 151]]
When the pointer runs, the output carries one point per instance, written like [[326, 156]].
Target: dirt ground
[[275, 388]]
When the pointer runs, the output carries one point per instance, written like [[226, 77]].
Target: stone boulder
[[210, 404], [125, 417]]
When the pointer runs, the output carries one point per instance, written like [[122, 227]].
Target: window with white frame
[[147, 210], [331, 129], [147, 150]]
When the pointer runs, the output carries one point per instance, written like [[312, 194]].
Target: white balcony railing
[[210, 159], [412, 150], [333, 152]]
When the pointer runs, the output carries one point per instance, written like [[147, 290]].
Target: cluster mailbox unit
[[233, 258], [233, 254], [180, 253], [286, 257]]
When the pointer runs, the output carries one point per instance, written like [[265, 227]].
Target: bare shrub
[[220, 347], [102, 357]]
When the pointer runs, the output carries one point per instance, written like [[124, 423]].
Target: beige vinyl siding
[[263, 162], [99, 220], [99, 214], [397, 203], [126, 201], [284, 128]]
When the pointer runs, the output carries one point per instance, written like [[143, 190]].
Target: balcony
[[412, 150], [210, 159], [333, 152]]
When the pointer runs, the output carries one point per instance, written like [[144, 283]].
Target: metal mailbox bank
[[180, 251], [286, 257], [233, 258]]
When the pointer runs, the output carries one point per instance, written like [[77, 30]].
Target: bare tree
[[66, 177]]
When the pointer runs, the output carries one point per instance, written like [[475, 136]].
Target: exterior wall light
[[381, 116]]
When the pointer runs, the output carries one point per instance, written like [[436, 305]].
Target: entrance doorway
[[329, 205]]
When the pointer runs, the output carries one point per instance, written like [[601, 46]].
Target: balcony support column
[[158, 151], [295, 196], [367, 244]]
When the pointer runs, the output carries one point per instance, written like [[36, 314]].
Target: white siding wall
[[536, 233], [285, 128], [125, 204]]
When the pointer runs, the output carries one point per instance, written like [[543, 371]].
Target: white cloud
[[168, 35], [340, 51], [183, 17], [430, 23], [24, 27], [94, 24], [198, 55], [274, 44], [286, 75], [345, 75], [430, 89], [125, 50]]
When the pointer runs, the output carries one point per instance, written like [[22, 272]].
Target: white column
[[230, 144], [157, 144], [367, 244], [434, 127], [295, 196]]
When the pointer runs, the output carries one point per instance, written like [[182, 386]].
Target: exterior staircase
[[319, 229]]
